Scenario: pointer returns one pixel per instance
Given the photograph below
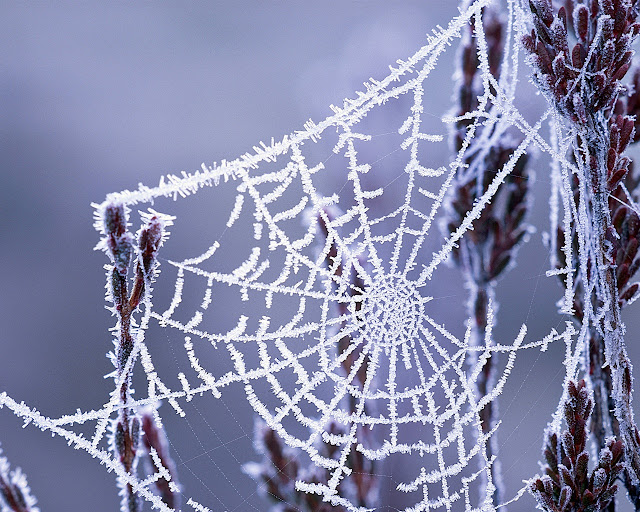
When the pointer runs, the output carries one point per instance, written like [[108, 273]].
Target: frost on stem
[[118, 243], [15, 495], [580, 72], [567, 486], [486, 251]]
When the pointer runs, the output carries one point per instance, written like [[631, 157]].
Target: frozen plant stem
[[120, 248], [127, 428], [583, 85]]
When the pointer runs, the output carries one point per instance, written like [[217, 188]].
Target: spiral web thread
[[415, 369]]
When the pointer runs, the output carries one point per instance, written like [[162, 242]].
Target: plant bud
[[115, 219]]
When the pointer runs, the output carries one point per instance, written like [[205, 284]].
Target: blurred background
[[98, 97]]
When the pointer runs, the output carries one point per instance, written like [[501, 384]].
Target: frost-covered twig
[[15, 495], [487, 250], [583, 84], [126, 430], [118, 243], [362, 478]]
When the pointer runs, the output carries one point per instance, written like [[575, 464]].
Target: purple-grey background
[[96, 98]]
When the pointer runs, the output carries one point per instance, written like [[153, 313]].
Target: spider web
[[333, 249]]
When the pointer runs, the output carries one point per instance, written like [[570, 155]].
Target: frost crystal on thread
[[489, 249]]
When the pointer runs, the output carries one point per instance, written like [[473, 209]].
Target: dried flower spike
[[584, 85], [567, 485]]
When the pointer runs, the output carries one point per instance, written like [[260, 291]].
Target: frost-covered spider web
[[327, 266]]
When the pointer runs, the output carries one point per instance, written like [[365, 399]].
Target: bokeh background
[[98, 97]]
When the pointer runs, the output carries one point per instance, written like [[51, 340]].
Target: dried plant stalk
[[118, 243], [583, 84]]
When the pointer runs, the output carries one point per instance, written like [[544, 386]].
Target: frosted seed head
[[562, 17], [543, 10], [149, 240], [580, 435], [581, 22], [599, 479], [582, 399], [622, 70], [612, 154], [551, 458], [115, 219], [565, 497], [544, 59], [559, 33], [135, 433], [568, 444], [567, 477], [122, 252], [559, 65], [538, 486], [606, 457], [628, 293], [546, 499], [627, 132], [569, 414], [582, 463], [119, 439], [578, 56], [617, 448]]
